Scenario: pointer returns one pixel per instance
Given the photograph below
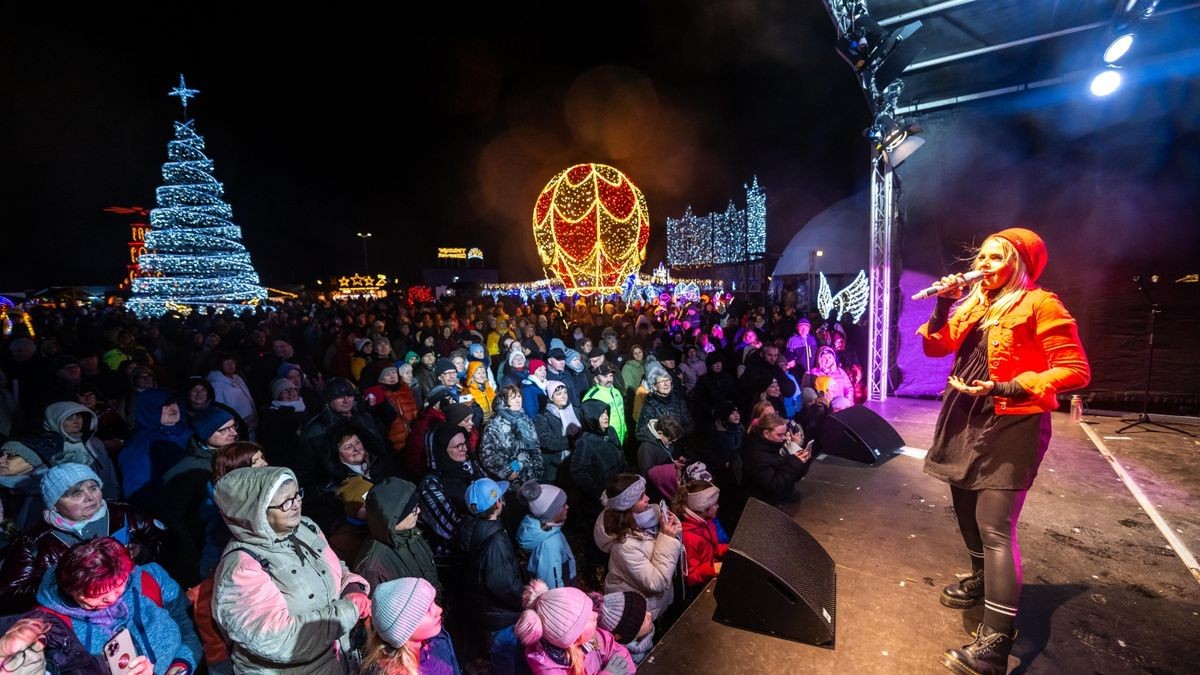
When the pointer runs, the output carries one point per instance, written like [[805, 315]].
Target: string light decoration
[[591, 225], [733, 236], [850, 300], [636, 287], [194, 253]]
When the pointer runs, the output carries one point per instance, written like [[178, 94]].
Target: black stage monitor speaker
[[859, 434], [776, 579]]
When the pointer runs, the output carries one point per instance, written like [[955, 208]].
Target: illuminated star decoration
[[183, 93]]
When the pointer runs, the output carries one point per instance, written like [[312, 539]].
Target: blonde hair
[[389, 660], [1007, 295]]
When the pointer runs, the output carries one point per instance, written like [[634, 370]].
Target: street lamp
[[812, 286], [365, 236]]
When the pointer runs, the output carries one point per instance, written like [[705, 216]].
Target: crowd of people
[[308, 489]]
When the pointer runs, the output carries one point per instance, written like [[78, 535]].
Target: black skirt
[[973, 447]]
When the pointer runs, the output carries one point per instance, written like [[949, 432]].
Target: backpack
[[216, 645]]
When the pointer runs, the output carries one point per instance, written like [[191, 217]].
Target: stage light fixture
[[866, 44], [897, 140], [1105, 82], [1118, 47]]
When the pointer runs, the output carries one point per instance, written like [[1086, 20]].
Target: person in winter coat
[[407, 637], [540, 535], [97, 590], [350, 452], [38, 642], [597, 458], [69, 437], [198, 395], [535, 388], [714, 388], [604, 389], [185, 503], [492, 580], [662, 447], [513, 371], [642, 542], [159, 440], [559, 631], [691, 369], [696, 505], [725, 444], [281, 596], [234, 456], [229, 388], [840, 385], [634, 370], [395, 547], [774, 459], [342, 402], [21, 471], [280, 422], [662, 400], [510, 449], [432, 416], [442, 492], [480, 388], [557, 427], [624, 615], [75, 511]]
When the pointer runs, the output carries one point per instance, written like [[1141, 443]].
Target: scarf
[[73, 452], [297, 405], [648, 521], [522, 426], [59, 522], [565, 415]]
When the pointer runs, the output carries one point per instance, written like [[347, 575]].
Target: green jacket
[[616, 408], [279, 598]]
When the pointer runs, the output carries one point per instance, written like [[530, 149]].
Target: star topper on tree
[[184, 94]]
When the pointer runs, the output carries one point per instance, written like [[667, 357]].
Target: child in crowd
[[407, 637], [624, 615], [558, 629], [696, 505], [540, 535]]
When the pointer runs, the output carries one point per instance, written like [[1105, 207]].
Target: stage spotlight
[[1118, 47], [1105, 82], [897, 140], [866, 44]]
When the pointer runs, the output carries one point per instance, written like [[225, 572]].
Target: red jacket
[[703, 549], [1035, 343]]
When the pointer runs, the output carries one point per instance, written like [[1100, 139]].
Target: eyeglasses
[[290, 503]]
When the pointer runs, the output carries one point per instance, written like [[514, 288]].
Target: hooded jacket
[[644, 563], [616, 408], [550, 556], [656, 406], [58, 447], [387, 554], [279, 598], [163, 634], [152, 449], [597, 457]]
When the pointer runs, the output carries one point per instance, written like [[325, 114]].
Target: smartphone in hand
[[119, 652]]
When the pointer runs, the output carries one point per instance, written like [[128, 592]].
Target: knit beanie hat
[[1030, 248], [207, 421], [279, 386], [24, 452], [62, 361], [286, 369], [557, 615], [623, 614], [399, 606], [456, 413], [534, 364], [360, 343], [443, 365], [384, 371], [63, 477], [545, 501], [337, 388]]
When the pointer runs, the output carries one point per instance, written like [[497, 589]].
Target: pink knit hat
[[559, 615]]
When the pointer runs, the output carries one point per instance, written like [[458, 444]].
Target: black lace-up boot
[[987, 655], [965, 594]]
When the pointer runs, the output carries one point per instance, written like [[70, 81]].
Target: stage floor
[[1104, 590]]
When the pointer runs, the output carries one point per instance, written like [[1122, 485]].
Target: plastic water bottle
[[1076, 409]]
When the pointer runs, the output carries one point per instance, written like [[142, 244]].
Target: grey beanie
[[63, 477], [399, 606], [24, 452], [545, 501]]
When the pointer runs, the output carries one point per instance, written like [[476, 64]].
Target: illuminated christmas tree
[[195, 256]]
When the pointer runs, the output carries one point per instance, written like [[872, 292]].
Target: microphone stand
[[1143, 420]]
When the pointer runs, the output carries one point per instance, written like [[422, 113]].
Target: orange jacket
[[1035, 343]]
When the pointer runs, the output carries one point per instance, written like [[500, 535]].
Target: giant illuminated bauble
[[591, 226]]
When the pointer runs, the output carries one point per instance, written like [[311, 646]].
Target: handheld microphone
[[968, 278]]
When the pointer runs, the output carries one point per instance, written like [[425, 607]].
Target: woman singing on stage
[[1015, 348]]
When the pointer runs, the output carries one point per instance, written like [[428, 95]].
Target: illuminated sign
[[361, 286], [475, 254], [452, 254]]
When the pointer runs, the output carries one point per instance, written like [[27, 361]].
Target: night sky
[[436, 130]]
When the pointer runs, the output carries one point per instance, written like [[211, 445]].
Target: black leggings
[[988, 521]]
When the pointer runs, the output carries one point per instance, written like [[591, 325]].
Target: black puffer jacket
[[596, 459], [769, 472], [492, 580]]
